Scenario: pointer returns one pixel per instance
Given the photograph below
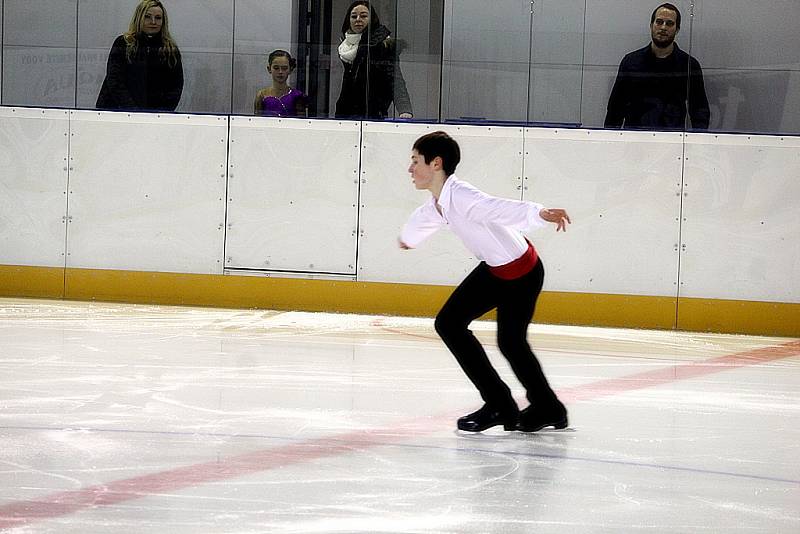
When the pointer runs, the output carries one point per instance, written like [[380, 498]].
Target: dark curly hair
[[374, 19]]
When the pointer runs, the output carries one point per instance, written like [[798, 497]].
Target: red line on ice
[[19, 513]]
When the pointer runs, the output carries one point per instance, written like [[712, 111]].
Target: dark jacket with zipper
[[146, 83], [374, 80]]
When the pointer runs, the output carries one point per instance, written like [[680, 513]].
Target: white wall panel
[[622, 192], [480, 31], [491, 160], [597, 82], [38, 76], [791, 121], [419, 24], [422, 74], [147, 192], [753, 100], [558, 32], [293, 195], [34, 147], [741, 226], [485, 59], [39, 53], [207, 82], [41, 23], [485, 91], [2, 39], [719, 36], [556, 76], [556, 95]]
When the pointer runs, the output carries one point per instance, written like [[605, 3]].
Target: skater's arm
[[483, 208], [422, 224]]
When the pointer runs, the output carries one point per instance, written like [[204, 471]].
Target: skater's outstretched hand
[[557, 216]]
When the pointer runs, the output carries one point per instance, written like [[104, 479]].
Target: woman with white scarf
[[372, 78]]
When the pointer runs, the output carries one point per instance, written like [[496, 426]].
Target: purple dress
[[285, 106]]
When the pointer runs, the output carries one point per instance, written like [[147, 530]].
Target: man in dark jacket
[[654, 84]]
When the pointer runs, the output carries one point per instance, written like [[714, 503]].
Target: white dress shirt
[[490, 227]]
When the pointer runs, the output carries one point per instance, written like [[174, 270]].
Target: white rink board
[[147, 192], [741, 226], [491, 159], [293, 195], [622, 191], [34, 147]]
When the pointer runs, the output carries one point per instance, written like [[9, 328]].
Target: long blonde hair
[[169, 50]]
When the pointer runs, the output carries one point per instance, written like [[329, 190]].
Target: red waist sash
[[517, 268]]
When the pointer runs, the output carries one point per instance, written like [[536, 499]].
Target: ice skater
[[509, 278]]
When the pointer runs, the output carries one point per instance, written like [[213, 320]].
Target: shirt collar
[[447, 190], [444, 198]]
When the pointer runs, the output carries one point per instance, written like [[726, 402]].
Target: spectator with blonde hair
[[144, 70]]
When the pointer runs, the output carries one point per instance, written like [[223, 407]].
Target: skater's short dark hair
[[439, 144]]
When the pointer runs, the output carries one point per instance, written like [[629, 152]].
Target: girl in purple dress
[[280, 100]]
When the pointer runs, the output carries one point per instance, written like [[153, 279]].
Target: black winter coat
[[373, 80], [147, 83], [653, 93]]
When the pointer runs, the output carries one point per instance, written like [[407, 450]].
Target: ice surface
[[150, 419]]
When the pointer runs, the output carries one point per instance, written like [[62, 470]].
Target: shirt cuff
[[534, 219]]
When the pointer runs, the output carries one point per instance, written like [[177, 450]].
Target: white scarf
[[349, 47]]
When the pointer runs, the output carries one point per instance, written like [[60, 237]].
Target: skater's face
[[422, 173]]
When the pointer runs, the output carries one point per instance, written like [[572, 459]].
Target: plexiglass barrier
[[723, 66]]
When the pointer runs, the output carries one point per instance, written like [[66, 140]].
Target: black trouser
[[515, 301]]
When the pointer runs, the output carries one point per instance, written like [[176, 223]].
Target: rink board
[[285, 293], [176, 208], [34, 152], [292, 193], [147, 192]]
